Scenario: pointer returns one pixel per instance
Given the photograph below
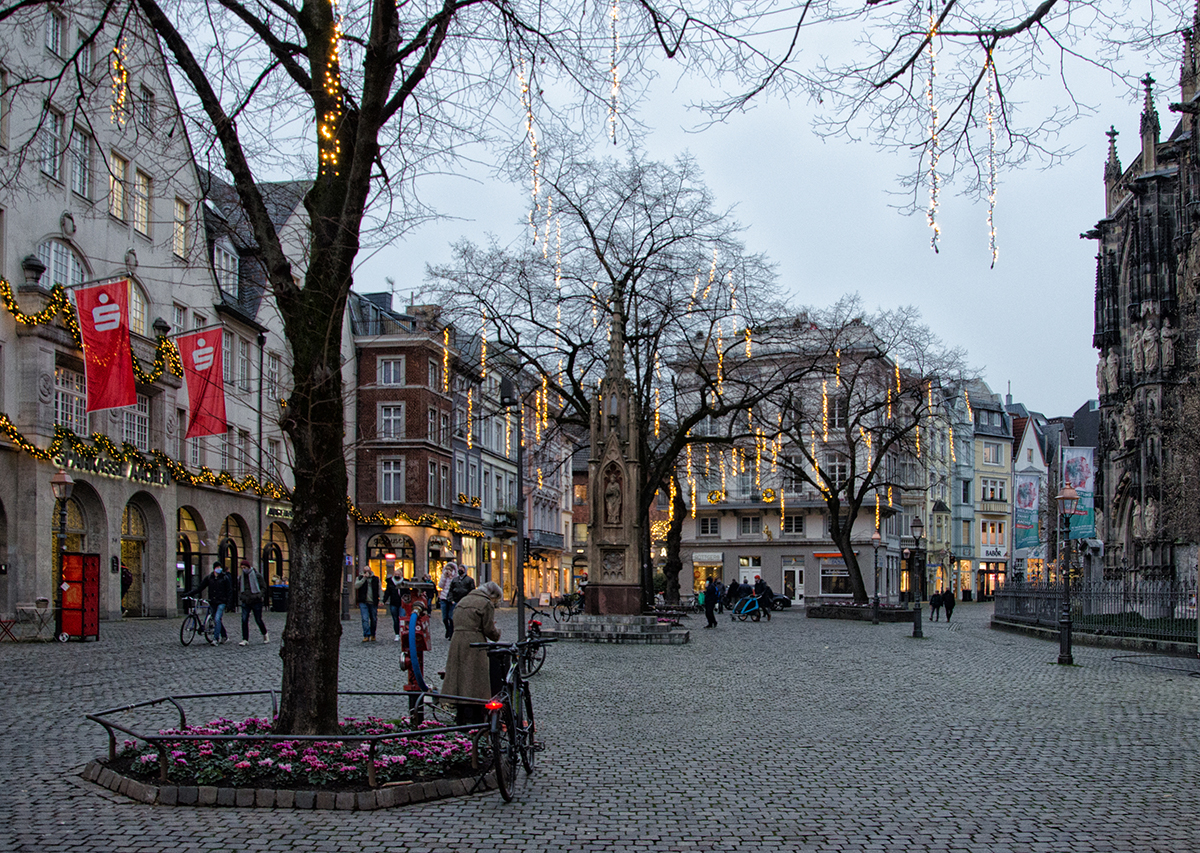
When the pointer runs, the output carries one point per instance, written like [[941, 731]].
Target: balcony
[[542, 540], [996, 507]]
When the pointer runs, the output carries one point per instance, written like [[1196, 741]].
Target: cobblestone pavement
[[793, 735]]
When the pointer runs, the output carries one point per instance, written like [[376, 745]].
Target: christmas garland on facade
[[166, 354]]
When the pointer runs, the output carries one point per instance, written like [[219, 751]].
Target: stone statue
[[612, 497], [1100, 386], [1137, 521], [1150, 345], [1126, 431], [1150, 519], [1168, 344], [1111, 364], [1136, 352]]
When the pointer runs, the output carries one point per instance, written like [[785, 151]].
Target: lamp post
[[875, 540], [509, 399], [62, 485], [917, 527], [1067, 500]]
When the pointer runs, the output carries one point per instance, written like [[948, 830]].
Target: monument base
[[613, 600]]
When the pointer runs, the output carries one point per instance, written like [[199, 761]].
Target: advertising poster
[[1025, 527], [1079, 470]]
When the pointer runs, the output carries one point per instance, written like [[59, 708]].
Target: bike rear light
[[533, 623], [494, 705]]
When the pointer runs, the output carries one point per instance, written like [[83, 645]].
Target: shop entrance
[[76, 536], [133, 564]]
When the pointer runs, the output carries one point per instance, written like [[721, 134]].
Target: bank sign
[[135, 472]]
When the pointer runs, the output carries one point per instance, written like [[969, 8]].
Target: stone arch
[[387, 552], [143, 552], [275, 552], [190, 534], [87, 531], [232, 541]]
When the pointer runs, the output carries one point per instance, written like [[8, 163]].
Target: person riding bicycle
[[764, 595]]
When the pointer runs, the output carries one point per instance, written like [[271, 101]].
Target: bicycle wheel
[[562, 613], [187, 631], [209, 628], [504, 759], [526, 732], [532, 660], [755, 615]]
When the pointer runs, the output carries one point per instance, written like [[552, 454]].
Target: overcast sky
[[824, 212]]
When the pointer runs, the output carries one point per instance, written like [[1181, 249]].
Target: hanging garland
[[427, 519], [166, 354]]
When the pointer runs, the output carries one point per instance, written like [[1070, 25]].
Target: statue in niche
[[1136, 352], [1111, 365], [1100, 386], [1150, 345], [1168, 344], [1137, 521], [612, 496], [1126, 431], [1150, 519]]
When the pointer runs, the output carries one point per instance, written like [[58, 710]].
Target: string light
[[614, 95], [329, 144], [720, 361], [428, 519], [534, 156], [952, 456], [749, 348], [707, 462], [712, 274], [897, 379], [446, 360], [470, 417], [990, 71], [483, 342], [595, 304], [889, 403], [671, 499], [732, 293], [657, 403], [539, 476], [934, 153], [876, 510], [120, 84], [967, 397], [838, 373], [825, 409]]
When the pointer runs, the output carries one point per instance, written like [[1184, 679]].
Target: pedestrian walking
[[711, 596], [220, 595], [251, 597], [461, 584], [948, 603], [468, 670], [935, 605], [366, 593], [391, 597], [449, 571], [764, 594], [720, 595]]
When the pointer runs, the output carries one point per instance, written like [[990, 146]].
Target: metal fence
[[1153, 610]]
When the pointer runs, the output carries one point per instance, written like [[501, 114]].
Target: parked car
[[779, 602]]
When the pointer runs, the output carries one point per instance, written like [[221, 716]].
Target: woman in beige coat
[[468, 671]]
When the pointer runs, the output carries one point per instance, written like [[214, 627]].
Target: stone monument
[[614, 560]]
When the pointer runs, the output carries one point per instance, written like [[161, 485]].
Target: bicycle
[[199, 620], [533, 657], [568, 606], [510, 726]]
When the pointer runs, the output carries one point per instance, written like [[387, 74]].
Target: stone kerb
[[388, 796]]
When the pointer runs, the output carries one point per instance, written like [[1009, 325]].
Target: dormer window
[[225, 264]]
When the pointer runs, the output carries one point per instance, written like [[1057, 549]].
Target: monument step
[[671, 636]]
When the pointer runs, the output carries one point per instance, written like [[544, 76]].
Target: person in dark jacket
[[948, 603], [252, 593], [764, 595], [935, 605], [220, 595], [391, 597], [710, 602], [366, 593], [720, 595]]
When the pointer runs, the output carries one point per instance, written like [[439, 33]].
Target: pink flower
[[243, 765]]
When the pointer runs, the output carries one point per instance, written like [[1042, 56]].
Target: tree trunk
[[315, 423], [674, 565], [842, 540]]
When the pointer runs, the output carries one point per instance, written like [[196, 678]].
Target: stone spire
[[1150, 128], [1187, 68], [616, 343], [1112, 171]]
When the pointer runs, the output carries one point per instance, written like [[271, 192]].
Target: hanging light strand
[[119, 74], [614, 98], [990, 71], [535, 157], [934, 152], [330, 147]]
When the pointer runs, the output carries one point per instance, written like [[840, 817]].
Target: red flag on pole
[[204, 370], [104, 327]]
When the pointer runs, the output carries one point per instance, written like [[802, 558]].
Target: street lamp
[[875, 540], [1067, 499], [509, 399], [62, 484], [917, 527]]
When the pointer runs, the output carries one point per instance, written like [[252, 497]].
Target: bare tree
[[639, 244]]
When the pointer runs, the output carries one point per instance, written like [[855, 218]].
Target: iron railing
[[1146, 609]]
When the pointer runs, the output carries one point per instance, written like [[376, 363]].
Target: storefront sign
[[708, 557], [135, 472], [993, 552], [283, 513]]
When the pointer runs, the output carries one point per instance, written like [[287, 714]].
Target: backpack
[[460, 586]]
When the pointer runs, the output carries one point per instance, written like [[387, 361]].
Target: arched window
[[138, 305], [63, 264]]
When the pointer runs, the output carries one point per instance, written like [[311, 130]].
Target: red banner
[[104, 327], [204, 370]]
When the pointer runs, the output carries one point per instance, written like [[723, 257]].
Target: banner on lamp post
[[1079, 471], [107, 360], [1025, 521], [204, 372]]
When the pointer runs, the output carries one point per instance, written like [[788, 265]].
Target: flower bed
[[331, 764]]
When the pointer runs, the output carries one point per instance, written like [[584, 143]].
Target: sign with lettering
[[135, 472], [284, 513]]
